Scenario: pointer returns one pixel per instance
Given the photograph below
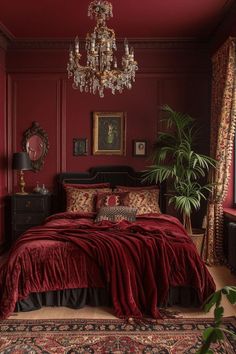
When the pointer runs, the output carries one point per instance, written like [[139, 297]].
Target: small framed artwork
[[140, 147], [109, 130], [80, 146]]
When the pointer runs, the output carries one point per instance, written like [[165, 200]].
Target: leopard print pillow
[[116, 213]]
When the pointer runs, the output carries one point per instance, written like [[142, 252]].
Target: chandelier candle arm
[[126, 47], [101, 70], [77, 45]]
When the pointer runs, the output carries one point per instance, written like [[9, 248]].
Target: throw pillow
[[110, 199], [116, 213], [81, 200], [145, 201]]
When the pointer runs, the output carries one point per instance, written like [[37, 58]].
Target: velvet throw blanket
[[137, 262]]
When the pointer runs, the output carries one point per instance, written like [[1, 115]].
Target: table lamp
[[21, 162]]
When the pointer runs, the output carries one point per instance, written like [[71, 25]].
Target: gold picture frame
[[140, 147], [109, 131]]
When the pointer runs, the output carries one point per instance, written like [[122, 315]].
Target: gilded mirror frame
[[39, 146]]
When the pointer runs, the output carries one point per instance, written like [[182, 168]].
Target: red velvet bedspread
[[138, 262]]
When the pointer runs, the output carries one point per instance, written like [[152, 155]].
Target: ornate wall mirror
[[35, 143]]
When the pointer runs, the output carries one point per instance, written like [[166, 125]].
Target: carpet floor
[[175, 336]]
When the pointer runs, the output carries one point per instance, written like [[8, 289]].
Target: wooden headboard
[[115, 175]]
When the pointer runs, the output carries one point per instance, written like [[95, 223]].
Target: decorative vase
[[198, 239]]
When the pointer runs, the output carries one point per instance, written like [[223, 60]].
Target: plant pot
[[198, 239]]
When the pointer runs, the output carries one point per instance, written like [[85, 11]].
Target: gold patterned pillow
[[146, 201], [82, 200]]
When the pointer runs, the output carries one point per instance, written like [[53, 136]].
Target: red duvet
[[138, 262]]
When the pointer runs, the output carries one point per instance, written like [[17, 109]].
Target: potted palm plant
[[217, 332], [174, 159]]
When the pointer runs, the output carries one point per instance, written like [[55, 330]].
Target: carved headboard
[[115, 175]]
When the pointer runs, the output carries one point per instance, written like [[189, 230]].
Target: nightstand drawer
[[32, 204], [28, 219], [25, 211]]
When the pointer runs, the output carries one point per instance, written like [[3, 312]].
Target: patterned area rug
[[109, 336]]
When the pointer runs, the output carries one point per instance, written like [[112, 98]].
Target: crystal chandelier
[[101, 70]]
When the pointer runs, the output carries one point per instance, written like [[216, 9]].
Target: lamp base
[[22, 184]]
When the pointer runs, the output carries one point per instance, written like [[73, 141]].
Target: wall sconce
[[21, 162]]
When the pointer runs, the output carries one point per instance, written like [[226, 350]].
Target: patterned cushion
[[110, 199], [116, 213], [82, 200], [145, 201]]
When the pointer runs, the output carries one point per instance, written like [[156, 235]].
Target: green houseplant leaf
[[217, 331], [174, 159], [230, 292]]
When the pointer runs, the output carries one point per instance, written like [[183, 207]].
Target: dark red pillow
[[110, 199]]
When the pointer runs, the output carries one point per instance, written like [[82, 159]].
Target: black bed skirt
[[78, 298]]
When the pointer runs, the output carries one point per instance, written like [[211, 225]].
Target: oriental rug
[[174, 336]]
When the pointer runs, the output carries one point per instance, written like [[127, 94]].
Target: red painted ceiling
[[131, 18]]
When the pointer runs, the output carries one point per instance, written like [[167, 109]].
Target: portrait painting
[[139, 147], [80, 146], [109, 133]]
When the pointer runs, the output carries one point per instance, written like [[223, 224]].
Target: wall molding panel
[[34, 98]]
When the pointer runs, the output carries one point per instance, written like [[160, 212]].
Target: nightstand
[[25, 211]]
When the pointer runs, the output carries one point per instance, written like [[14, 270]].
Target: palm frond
[[157, 173], [175, 159]]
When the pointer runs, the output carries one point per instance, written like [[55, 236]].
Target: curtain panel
[[223, 122]]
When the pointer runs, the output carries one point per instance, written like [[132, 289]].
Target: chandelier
[[101, 70]]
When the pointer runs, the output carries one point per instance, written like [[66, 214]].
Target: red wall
[[176, 74], [2, 141]]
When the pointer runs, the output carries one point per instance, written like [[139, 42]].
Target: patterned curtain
[[223, 122]]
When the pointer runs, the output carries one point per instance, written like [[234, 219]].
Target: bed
[[108, 244]]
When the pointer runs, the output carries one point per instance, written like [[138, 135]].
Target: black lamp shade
[[21, 161]]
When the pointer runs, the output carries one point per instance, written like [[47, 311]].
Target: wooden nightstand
[[24, 211]]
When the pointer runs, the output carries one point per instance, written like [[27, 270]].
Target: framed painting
[[80, 146], [109, 130], [139, 147]]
